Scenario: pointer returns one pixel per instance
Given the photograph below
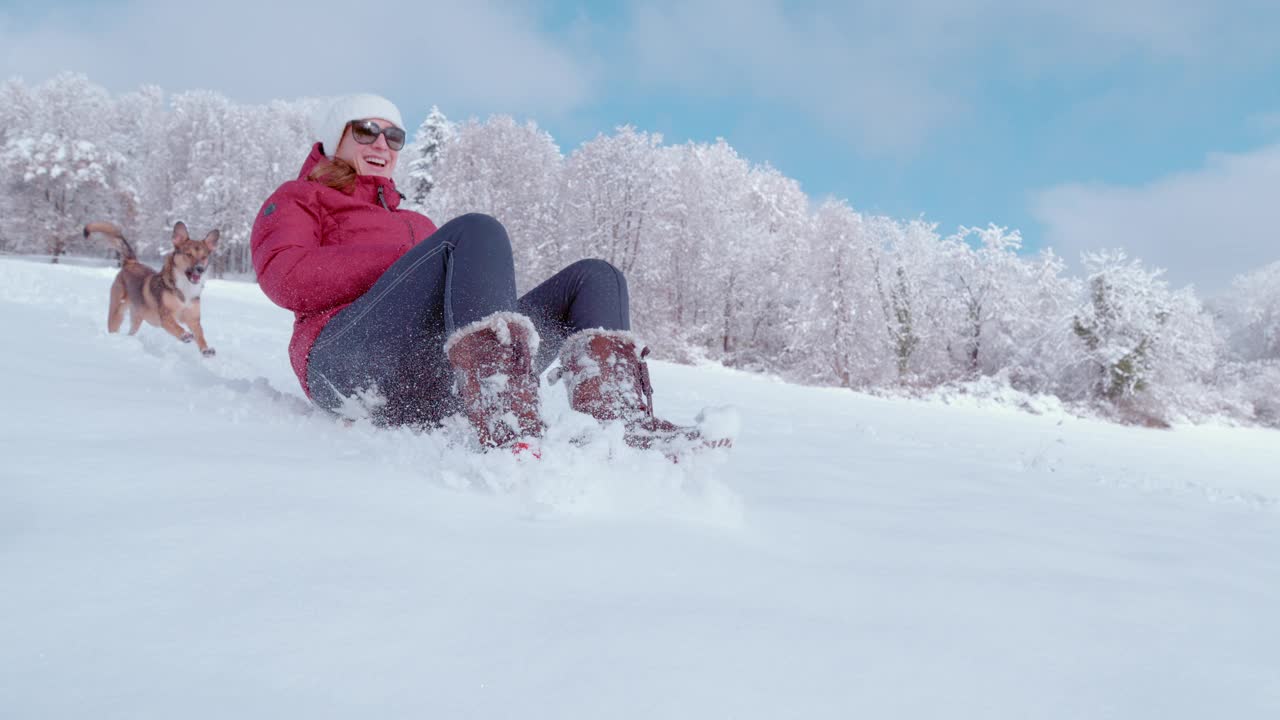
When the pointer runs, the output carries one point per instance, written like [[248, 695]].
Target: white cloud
[[880, 77], [861, 86], [484, 54], [1205, 226], [885, 76]]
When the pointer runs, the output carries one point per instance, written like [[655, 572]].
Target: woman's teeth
[[379, 162]]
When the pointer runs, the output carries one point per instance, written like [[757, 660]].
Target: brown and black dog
[[162, 298]]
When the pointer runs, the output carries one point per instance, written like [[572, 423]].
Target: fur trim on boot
[[492, 361]]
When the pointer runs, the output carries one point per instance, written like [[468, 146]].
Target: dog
[[164, 298]]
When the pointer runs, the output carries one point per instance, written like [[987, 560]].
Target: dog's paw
[[187, 337], [208, 352]]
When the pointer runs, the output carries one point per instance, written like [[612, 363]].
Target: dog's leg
[[117, 306], [191, 316], [135, 321], [173, 328]]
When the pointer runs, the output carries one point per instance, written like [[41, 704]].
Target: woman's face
[[375, 159]]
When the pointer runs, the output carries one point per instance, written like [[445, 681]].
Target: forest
[[728, 261]]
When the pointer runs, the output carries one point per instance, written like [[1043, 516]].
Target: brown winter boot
[[492, 362], [607, 377]]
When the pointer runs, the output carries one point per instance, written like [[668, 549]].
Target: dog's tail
[[117, 238]]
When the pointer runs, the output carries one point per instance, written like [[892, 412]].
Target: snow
[[184, 537]]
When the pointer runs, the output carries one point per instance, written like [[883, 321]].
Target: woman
[[409, 323]]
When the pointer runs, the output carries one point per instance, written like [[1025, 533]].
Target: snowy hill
[[184, 538]]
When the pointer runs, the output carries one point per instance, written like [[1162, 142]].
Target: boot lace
[[646, 387]]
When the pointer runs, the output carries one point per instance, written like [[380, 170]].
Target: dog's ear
[[180, 233], [211, 240]]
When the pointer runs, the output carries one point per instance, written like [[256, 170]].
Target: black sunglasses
[[366, 132]]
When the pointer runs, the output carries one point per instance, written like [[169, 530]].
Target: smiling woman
[[363, 135], [393, 314]]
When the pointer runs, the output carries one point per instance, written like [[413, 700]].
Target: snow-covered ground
[[184, 538]]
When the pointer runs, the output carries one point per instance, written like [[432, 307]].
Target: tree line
[[728, 260]]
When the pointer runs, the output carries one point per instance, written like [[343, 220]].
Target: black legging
[[392, 338]]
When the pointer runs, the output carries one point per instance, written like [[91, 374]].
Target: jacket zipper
[[408, 226]]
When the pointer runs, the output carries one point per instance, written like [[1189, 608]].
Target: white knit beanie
[[330, 123]]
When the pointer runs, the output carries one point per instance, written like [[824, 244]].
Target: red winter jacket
[[317, 249]]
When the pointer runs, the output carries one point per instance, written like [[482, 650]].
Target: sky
[[1152, 125]]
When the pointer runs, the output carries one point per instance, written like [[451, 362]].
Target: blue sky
[[1147, 124]]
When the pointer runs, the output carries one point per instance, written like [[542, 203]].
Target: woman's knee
[[602, 297], [477, 233], [600, 271], [478, 224]]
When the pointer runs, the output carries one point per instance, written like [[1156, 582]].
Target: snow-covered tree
[[209, 141], [225, 160], [981, 275], [1254, 312], [1036, 324], [1119, 324], [837, 336], [609, 194], [1012, 311], [910, 277], [140, 126], [727, 224], [616, 201], [770, 255], [63, 178], [16, 109], [57, 164], [1141, 340], [423, 154], [512, 172]]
